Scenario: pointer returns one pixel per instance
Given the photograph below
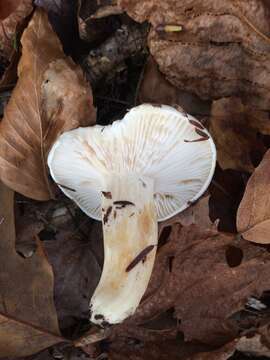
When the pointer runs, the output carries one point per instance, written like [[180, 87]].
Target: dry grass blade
[[51, 96]]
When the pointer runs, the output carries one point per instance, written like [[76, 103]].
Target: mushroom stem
[[130, 244]]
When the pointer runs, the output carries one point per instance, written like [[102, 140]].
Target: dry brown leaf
[[133, 349], [28, 320], [51, 97], [235, 127], [76, 272], [254, 345], [12, 15], [197, 214], [204, 277], [7, 8], [223, 353], [253, 217], [62, 15], [222, 50], [154, 88]]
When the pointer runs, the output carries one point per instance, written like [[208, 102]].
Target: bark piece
[[126, 41], [97, 20]]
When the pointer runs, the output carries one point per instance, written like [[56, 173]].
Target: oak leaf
[[51, 97], [28, 320], [253, 216]]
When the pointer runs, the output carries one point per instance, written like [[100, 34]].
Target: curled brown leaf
[[222, 50], [51, 97], [253, 216]]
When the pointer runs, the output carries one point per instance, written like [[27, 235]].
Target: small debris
[[140, 257]]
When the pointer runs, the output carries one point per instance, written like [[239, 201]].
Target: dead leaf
[[223, 46], [223, 353], [197, 214], [34, 118], [226, 189], [204, 277], [12, 16], [77, 272], [134, 349], [154, 88], [253, 345], [28, 320], [253, 217], [236, 126], [62, 15]]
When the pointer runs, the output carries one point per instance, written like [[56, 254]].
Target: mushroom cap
[[157, 142]]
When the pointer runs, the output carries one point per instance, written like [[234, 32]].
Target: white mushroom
[[145, 168]]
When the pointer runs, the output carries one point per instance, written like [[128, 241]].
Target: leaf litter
[[208, 297]]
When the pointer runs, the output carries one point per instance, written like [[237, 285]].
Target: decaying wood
[[126, 42]]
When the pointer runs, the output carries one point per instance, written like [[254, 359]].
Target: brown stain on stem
[[107, 214], [140, 257], [107, 194]]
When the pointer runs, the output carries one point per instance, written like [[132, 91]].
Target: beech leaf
[[28, 319], [51, 97], [223, 45], [253, 216], [234, 125]]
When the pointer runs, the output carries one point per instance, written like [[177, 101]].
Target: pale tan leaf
[[253, 216], [259, 233], [51, 96]]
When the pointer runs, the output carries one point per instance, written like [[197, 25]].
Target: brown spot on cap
[[99, 317], [66, 187], [107, 214], [123, 203], [107, 194], [196, 140], [197, 124], [201, 133]]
